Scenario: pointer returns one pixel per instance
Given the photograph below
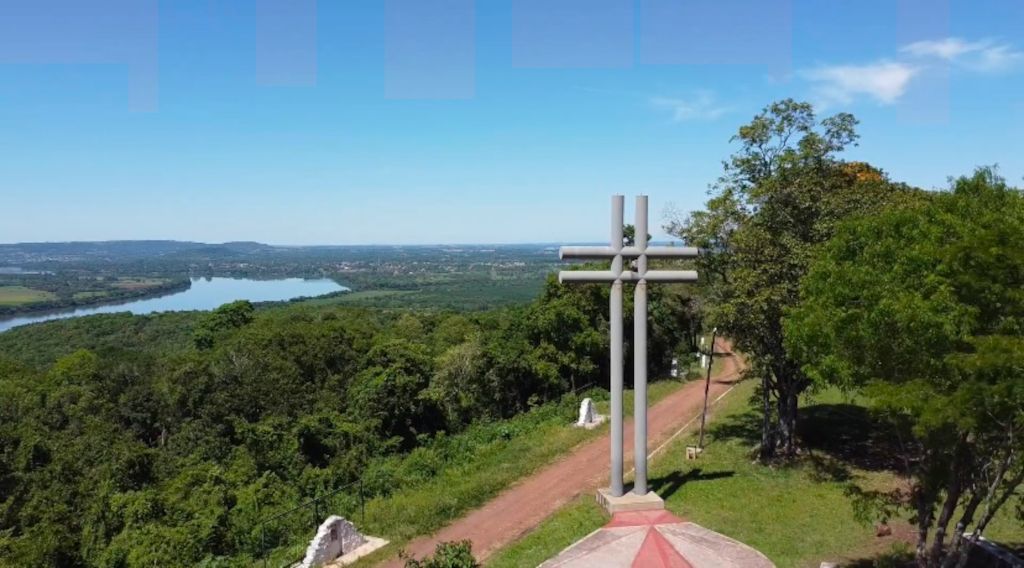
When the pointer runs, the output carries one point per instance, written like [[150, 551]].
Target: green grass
[[20, 295], [91, 295], [798, 516], [786, 513], [138, 283], [556, 533]]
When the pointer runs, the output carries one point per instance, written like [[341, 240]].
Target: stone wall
[[335, 537]]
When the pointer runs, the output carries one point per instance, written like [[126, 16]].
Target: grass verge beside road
[[798, 516]]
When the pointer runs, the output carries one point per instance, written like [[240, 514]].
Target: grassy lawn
[[138, 283], [91, 295], [798, 516], [19, 295]]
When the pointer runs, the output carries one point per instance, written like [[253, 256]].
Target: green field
[[798, 516], [138, 283], [459, 291], [20, 295]]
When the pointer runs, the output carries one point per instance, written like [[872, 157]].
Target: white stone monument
[[337, 538], [589, 418]]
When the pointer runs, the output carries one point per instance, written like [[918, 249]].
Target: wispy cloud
[[883, 81], [701, 106], [985, 55]]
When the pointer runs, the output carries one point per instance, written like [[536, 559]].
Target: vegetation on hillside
[[165, 448], [922, 308]]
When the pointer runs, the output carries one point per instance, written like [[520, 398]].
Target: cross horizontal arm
[[627, 252], [607, 276], [670, 276]]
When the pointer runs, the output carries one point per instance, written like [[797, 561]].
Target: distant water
[[205, 294]]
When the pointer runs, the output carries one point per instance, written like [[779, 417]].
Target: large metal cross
[[617, 252]]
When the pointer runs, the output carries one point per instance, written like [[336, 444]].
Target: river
[[204, 294]]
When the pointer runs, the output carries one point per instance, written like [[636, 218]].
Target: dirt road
[[524, 505]]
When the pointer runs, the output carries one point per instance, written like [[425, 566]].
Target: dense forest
[[130, 431]]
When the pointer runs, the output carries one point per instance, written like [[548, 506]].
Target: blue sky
[[401, 121]]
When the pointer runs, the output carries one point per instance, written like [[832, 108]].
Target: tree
[[391, 391], [227, 317], [780, 196], [922, 309]]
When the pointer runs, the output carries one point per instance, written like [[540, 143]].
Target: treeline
[[163, 449], [74, 290], [826, 272]]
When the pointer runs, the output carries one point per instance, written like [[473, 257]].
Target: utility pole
[[707, 387]]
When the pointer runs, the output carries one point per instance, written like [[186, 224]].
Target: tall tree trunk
[[954, 486], [924, 520], [767, 428], [956, 546], [993, 503], [787, 408]]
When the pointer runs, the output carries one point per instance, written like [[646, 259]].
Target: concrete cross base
[[629, 501], [656, 539]]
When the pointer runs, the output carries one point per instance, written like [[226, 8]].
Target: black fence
[[285, 535]]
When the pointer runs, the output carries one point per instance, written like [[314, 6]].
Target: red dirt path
[[525, 504]]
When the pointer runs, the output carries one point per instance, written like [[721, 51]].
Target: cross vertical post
[[617, 274], [640, 351], [616, 362]]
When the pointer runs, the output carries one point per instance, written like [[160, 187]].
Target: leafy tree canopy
[[922, 307], [780, 196]]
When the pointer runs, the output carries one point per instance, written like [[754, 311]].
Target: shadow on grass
[[745, 427], [833, 437], [887, 560], [668, 485], [851, 435]]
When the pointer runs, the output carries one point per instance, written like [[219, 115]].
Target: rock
[[334, 538], [586, 412], [589, 418]]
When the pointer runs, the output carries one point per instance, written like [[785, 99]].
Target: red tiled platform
[[656, 539]]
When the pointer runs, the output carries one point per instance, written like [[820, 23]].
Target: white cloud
[[984, 56], [948, 48], [702, 106], [884, 81]]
